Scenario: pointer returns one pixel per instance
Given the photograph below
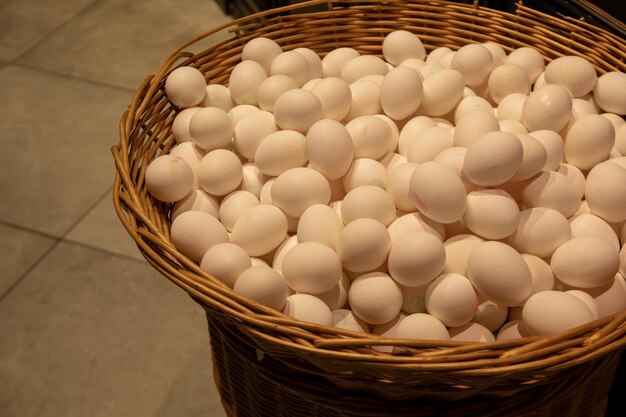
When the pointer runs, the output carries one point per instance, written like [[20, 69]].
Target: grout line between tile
[[30, 230], [86, 213], [106, 251]]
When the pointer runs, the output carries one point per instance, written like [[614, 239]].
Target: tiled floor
[[87, 328]]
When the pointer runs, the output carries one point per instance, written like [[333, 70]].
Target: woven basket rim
[[144, 221]]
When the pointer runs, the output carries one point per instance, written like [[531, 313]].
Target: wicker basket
[[268, 364]]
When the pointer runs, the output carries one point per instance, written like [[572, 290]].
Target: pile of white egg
[[467, 194]]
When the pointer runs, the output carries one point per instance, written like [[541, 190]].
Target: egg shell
[[244, 81], [280, 151], [401, 93], [416, 259], [370, 136], [210, 128], [428, 143], [620, 139], [589, 141], [218, 95], [469, 104], [298, 188], [336, 59], [195, 232], [192, 154], [414, 222], [616, 121], [514, 329], [512, 126], [534, 158], [493, 158], [234, 205], [421, 326], [313, 60], [438, 192], [474, 125], [345, 319], [540, 272], [553, 144], [511, 107], [169, 178], [491, 214], [497, 52], [281, 252], [363, 245], [552, 312], [491, 315], [273, 87], [591, 225], [392, 160], [311, 267], [365, 99], [548, 107], [220, 172], [574, 174], [446, 59], [368, 201], [442, 92], [610, 298], [335, 97], [297, 110], [185, 87], [410, 130], [452, 299], [506, 79], [589, 301], [261, 50], [397, 186], [413, 299], [458, 249], [180, 125], [605, 191], [572, 72], [260, 230], [471, 332], [365, 171], [292, 64], [436, 54], [413, 63], [475, 62], [361, 66], [528, 58], [622, 258], [337, 296], [484, 268], [610, 92], [540, 231], [308, 308], [453, 158], [252, 179], [329, 148], [585, 262], [225, 261], [375, 298], [553, 190], [320, 223], [237, 113], [197, 200], [401, 45]]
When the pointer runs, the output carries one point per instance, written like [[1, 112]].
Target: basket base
[[253, 384]]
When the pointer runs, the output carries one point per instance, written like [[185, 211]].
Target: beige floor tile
[[19, 250], [91, 334], [102, 228], [55, 159], [23, 23], [120, 42]]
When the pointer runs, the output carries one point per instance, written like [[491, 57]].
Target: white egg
[[401, 45], [218, 96], [506, 79], [534, 158], [401, 93], [492, 214], [392, 160], [169, 178], [192, 154], [347, 320], [196, 200], [311, 267], [591, 225], [298, 188], [491, 315], [220, 172], [548, 107], [225, 261], [484, 268], [195, 232], [458, 249], [297, 110], [610, 92], [398, 183], [410, 130], [210, 128], [365, 171], [273, 87], [421, 326], [281, 252], [493, 158], [528, 58], [442, 92], [620, 139], [185, 87], [335, 96], [540, 272], [475, 62], [361, 66], [553, 144], [428, 143], [413, 63], [363, 245], [235, 205], [260, 229], [180, 125], [551, 312], [553, 190], [244, 82], [335, 60], [237, 113], [280, 151], [262, 50], [585, 262], [426, 184], [610, 298], [252, 179], [368, 201], [413, 299], [414, 222], [572, 72], [497, 52], [320, 223], [474, 125], [308, 308], [511, 107], [416, 259], [329, 148], [514, 329], [375, 298], [512, 126], [540, 231], [589, 141], [293, 65], [313, 60], [605, 191], [370, 136], [589, 301], [471, 332], [469, 104], [263, 285]]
